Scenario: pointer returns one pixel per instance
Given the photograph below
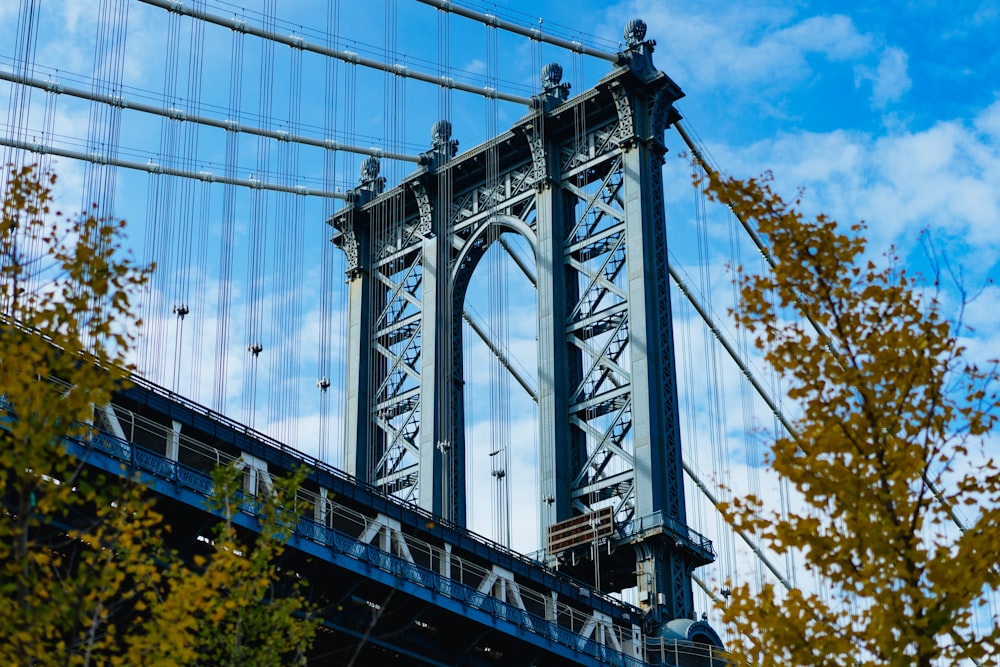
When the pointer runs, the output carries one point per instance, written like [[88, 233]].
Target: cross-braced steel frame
[[581, 180]]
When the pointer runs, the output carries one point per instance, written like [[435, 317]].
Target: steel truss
[[581, 180]]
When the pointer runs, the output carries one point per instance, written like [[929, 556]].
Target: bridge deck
[[390, 578]]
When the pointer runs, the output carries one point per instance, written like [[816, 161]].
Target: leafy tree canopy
[[891, 436], [85, 575]]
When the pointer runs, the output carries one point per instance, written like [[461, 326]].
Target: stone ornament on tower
[[441, 139], [638, 54], [635, 33], [554, 92], [552, 82], [370, 179], [443, 147]]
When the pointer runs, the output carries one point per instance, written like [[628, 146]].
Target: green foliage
[[247, 612], [84, 573], [62, 294], [890, 438]]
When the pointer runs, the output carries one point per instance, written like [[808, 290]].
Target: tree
[[84, 573], [891, 436], [213, 614]]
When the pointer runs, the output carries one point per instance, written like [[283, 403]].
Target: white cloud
[[988, 122], [744, 47], [475, 66], [987, 12], [942, 178], [889, 79], [835, 37]]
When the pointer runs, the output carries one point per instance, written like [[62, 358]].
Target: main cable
[[398, 69]]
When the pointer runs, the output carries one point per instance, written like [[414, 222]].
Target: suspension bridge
[[487, 353]]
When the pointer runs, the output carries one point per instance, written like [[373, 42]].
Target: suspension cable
[[820, 330], [155, 168], [703, 487], [503, 356], [532, 33], [720, 336], [178, 114], [297, 42]]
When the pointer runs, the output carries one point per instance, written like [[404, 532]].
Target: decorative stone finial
[[441, 132], [635, 32], [551, 76], [554, 91], [371, 184], [370, 169], [443, 147]]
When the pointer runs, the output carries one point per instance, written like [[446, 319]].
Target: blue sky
[[884, 112]]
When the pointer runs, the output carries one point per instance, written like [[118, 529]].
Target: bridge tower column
[[354, 240], [580, 178], [610, 442], [404, 425], [561, 443], [659, 488], [442, 427]]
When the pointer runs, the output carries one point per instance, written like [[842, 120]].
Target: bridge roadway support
[[390, 580], [581, 180]]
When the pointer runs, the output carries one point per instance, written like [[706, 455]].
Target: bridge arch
[[589, 197], [495, 318], [476, 246]]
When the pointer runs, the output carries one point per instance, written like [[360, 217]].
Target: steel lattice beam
[[590, 205]]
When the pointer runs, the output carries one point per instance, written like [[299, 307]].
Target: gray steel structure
[[581, 180]]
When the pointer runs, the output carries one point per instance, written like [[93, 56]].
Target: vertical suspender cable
[[199, 197], [19, 103], [395, 175], [327, 264], [104, 125], [188, 218], [229, 216], [33, 247], [296, 254], [287, 277], [751, 444], [149, 344], [376, 383], [688, 380], [159, 233], [257, 241], [171, 215], [19, 109], [374, 306], [350, 106], [395, 117], [715, 389], [537, 132], [449, 452], [500, 425]]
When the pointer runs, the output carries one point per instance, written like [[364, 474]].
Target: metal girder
[[590, 203], [500, 354]]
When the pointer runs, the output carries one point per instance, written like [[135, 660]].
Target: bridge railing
[[565, 625], [428, 563], [657, 521], [291, 454], [685, 654], [537, 614]]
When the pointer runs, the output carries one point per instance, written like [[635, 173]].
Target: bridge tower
[[580, 179]]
